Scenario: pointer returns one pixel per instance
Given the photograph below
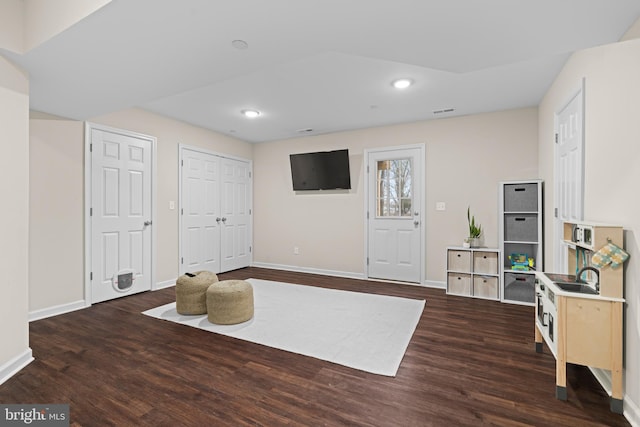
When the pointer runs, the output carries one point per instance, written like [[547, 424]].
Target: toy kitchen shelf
[[583, 327]]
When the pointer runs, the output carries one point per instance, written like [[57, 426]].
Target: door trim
[[181, 148], [422, 180], [557, 225], [88, 127]]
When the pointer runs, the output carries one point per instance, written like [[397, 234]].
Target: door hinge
[[91, 276], [249, 211], [90, 211], [367, 260], [91, 148], [367, 168], [249, 249], [556, 138], [181, 211], [249, 174], [367, 214], [181, 162], [181, 260], [556, 212]]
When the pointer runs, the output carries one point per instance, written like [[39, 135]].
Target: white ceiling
[[326, 65]]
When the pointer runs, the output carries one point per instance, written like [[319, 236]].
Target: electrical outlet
[[440, 206], [296, 250], [172, 205]]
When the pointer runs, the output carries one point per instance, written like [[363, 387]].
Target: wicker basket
[[191, 292]]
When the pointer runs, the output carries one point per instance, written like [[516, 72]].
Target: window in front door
[[394, 193]]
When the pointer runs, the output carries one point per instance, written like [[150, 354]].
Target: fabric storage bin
[[519, 287], [485, 262], [459, 260], [485, 286], [459, 284], [521, 227], [521, 198]]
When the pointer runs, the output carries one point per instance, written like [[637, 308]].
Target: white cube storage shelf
[[473, 272]]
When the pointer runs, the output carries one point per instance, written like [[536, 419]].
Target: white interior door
[[394, 207], [121, 213], [569, 173], [215, 230], [200, 212], [236, 236]]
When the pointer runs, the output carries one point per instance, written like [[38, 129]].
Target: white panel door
[[200, 212], [569, 175], [236, 219], [215, 212], [120, 214], [393, 211]]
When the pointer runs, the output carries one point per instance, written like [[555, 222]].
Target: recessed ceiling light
[[402, 83], [240, 44], [252, 114]]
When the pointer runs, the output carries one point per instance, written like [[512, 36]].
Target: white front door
[[215, 212], [236, 236], [569, 174], [201, 216], [394, 212], [120, 213]]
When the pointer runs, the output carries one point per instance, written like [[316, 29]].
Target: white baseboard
[[632, 412], [335, 273], [349, 275], [77, 305], [435, 284], [603, 377], [631, 409], [165, 284], [56, 310], [14, 365]]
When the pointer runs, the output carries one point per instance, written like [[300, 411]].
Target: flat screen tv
[[324, 170]]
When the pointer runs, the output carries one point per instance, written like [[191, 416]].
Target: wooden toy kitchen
[[579, 316]]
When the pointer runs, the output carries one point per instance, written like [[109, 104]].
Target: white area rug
[[362, 331]]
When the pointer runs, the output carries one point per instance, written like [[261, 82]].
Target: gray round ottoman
[[191, 292], [230, 302]]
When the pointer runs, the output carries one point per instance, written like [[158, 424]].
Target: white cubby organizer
[[473, 272]]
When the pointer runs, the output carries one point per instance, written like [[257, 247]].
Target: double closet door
[[215, 212]]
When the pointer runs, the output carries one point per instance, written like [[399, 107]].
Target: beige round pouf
[[230, 302], [191, 292]]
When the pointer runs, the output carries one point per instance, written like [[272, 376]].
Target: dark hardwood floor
[[471, 362]]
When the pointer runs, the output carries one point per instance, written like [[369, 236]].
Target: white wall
[[24, 24], [170, 133], [14, 218], [45, 19], [612, 175], [56, 246], [466, 158], [57, 199], [11, 25]]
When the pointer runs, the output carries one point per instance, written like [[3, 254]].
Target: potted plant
[[475, 230]]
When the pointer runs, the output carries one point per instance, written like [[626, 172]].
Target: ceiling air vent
[[446, 110]]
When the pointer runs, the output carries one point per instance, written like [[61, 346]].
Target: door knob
[[416, 223], [218, 220], [224, 220], [146, 223]]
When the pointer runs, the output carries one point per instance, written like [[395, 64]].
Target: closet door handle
[[218, 220]]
